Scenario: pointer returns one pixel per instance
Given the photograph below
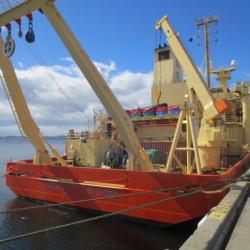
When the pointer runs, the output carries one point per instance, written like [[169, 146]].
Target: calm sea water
[[111, 233]]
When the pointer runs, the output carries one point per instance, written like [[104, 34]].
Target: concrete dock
[[225, 226]]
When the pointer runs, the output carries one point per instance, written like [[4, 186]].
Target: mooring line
[[122, 211]]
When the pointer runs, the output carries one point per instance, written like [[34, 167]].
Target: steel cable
[[40, 60]]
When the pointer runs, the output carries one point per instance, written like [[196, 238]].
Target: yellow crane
[[205, 148], [138, 159], [195, 80]]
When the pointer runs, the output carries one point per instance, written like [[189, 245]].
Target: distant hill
[[12, 137]]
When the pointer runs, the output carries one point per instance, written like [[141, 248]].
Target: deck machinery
[[212, 111], [218, 121], [216, 126]]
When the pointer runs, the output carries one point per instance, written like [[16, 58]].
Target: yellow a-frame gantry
[[138, 159]]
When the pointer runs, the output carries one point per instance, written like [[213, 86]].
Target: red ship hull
[[65, 184]]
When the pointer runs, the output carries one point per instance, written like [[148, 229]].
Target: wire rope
[[40, 60], [12, 107]]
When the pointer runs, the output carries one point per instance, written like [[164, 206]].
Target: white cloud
[[132, 89], [67, 59], [20, 64], [55, 94]]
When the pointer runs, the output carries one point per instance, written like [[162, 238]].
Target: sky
[[120, 38]]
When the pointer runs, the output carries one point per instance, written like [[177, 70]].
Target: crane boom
[[138, 159], [195, 80], [205, 145]]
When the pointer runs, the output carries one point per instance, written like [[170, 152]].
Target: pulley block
[[9, 47], [30, 35]]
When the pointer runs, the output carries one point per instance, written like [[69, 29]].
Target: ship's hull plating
[[65, 184]]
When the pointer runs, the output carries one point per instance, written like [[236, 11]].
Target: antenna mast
[[206, 21]]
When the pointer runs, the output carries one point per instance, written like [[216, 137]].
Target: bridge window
[[163, 55]]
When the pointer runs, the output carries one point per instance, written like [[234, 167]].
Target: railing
[[156, 139], [77, 135], [233, 119]]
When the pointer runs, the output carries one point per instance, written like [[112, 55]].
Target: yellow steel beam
[[194, 78], [29, 127], [21, 108], [21, 10], [138, 159]]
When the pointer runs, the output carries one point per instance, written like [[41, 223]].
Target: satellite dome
[[234, 63]]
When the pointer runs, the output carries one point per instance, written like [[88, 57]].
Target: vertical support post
[[188, 144], [191, 138], [246, 118], [175, 141], [195, 144], [206, 21], [207, 55]]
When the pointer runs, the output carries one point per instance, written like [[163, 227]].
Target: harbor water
[[110, 233]]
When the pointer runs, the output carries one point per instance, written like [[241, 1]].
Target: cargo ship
[[168, 163]]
